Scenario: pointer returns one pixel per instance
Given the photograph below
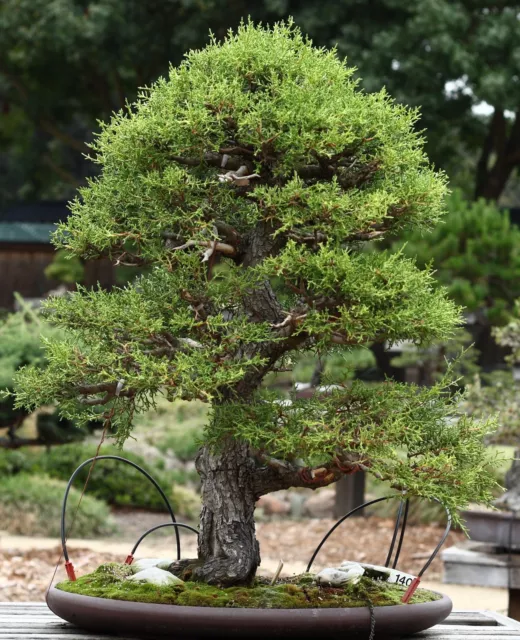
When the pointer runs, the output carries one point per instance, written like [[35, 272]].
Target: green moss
[[109, 581]]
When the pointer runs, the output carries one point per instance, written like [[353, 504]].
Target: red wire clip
[[129, 559], [411, 590], [69, 568]]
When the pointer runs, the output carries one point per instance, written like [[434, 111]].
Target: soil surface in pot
[[299, 592]]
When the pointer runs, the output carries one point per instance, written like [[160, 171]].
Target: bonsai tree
[[248, 183]]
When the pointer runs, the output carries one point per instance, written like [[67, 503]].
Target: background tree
[[446, 57], [68, 63], [497, 394], [475, 254], [249, 182]]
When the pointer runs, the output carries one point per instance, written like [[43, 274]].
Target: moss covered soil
[[300, 592]]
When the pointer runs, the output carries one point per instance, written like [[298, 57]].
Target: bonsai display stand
[[481, 564], [34, 621], [491, 558]]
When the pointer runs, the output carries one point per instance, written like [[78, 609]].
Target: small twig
[[238, 177], [369, 235], [211, 244], [190, 343], [289, 320], [91, 402], [313, 239], [277, 573], [237, 150]]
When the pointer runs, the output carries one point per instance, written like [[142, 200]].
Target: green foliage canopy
[[248, 183]]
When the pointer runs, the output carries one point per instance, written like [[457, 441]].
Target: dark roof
[[26, 232], [31, 222], [48, 212]]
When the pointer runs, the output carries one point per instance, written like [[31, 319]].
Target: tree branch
[[325, 170], [222, 247], [273, 475]]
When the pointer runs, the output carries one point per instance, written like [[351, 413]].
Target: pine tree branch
[[273, 474], [111, 390], [349, 176], [212, 245]]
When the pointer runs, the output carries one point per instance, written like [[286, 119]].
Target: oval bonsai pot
[[161, 620]]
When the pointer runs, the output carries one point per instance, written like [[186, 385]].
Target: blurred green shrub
[[116, 483], [174, 426], [65, 268], [21, 340], [31, 505], [475, 252]]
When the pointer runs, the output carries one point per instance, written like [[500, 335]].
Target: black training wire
[[132, 464], [394, 536], [371, 502], [161, 526], [342, 519], [442, 541], [401, 537]]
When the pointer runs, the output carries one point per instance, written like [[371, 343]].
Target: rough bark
[[234, 477], [227, 548], [228, 552]]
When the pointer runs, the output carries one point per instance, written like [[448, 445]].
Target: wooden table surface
[[34, 621]]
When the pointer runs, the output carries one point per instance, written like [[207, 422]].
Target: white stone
[[158, 577], [148, 563], [164, 564], [340, 576], [378, 572]]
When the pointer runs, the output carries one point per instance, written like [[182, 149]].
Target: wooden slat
[[468, 635], [34, 621], [457, 631], [503, 620], [57, 630], [26, 620], [53, 636], [471, 618]]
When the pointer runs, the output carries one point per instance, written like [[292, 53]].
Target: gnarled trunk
[[228, 550]]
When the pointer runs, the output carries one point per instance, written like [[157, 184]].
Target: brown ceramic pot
[[139, 620]]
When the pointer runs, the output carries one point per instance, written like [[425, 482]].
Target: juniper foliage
[[248, 183]]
